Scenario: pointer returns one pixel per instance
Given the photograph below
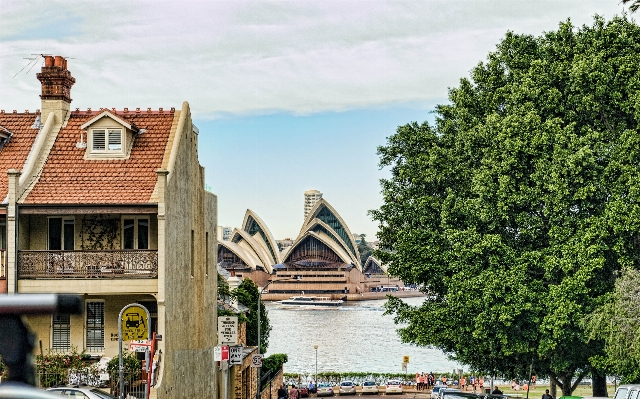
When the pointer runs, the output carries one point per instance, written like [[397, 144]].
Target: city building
[[110, 204], [224, 233], [310, 199]]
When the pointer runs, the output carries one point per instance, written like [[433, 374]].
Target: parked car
[[325, 389], [628, 391], [393, 386], [370, 387], [347, 388], [451, 393], [90, 393], [303, 392]]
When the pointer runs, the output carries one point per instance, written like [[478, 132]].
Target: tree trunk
[[553, 389], [566, 384], [599, 384]]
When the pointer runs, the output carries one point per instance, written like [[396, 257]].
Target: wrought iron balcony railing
[[88, 264], [3, 264]]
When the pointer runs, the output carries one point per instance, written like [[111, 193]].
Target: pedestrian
[[293, 393], [463, 383], [312, 387], [547, 395], [481, 384], [496, 391], [533, 382], [525, 387], [513, 385], [282, 393]]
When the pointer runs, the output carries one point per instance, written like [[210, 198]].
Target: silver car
[[347, 388], [81, 393], [370, 387]]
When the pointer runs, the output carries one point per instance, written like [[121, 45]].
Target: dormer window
[[109, 137], [106, 140]]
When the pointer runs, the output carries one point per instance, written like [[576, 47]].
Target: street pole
[[316, 348]]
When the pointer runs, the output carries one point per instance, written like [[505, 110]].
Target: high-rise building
[[310, 199], [224, 233]]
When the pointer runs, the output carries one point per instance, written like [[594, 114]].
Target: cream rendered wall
[[189, 308], [42, 325]]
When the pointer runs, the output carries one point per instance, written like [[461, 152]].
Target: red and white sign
[[225, 353]]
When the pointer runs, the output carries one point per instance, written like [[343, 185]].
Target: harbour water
[[356, 337]]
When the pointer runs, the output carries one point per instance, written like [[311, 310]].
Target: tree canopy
[[247, 294], [518, 206]]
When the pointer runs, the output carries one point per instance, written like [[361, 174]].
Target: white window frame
[[135, 230], [64, 218], [107, 150], [104, 320], [3, 230]]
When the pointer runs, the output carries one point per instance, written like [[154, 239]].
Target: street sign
[[225, 353], [256, 360], [135, 324], [140, 346], [217, 353], [228, 330], [235, 355], [404, 367], [405, 359]]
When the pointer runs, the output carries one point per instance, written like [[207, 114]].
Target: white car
[[324, 389], [80, 393], [370, 387], [393, 386]]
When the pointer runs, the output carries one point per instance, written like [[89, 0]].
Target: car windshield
[[460, 395], [369, 383], [346, 383], [393, 383], [323, 385]]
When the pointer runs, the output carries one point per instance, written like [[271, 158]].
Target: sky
[[288, 96]]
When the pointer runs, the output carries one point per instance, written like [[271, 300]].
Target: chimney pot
[[48, 61], [58, 61]]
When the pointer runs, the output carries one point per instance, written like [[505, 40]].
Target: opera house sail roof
[[324, 241]]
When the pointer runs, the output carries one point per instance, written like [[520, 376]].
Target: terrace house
[[110, 204]]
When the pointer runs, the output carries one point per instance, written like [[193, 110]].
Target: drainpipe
[[12, 231]]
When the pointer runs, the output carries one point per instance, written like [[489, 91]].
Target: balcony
[[118, 264]]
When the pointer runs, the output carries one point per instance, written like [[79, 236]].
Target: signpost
[[133, 324], [235, 355], [228, 330], [256, 360]]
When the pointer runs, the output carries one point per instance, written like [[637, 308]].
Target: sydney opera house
[[323, 259]]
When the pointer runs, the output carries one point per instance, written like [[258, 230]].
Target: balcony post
[[12, 231]]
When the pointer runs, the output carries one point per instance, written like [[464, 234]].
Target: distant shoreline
[[365, 296]]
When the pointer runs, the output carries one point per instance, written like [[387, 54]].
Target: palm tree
[[635, 4]]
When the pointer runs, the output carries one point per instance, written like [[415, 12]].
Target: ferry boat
[[303, 301]]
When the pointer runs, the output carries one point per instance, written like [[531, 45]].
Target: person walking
[[547, 395], [293, 393], [463, 383], [282, 393]]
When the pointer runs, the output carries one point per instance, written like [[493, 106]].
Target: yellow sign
[[405, 359], [135, 324]]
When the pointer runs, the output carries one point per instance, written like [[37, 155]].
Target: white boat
[[303, 301]]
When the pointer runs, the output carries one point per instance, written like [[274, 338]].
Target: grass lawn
[[582, 390]]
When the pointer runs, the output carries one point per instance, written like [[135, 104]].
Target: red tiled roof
[[14, 153], [67, 178]]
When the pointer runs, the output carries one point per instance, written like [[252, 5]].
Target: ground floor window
[[61, 334], [95, 326]]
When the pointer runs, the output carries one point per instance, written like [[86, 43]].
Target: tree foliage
[[364, 249], [247, 294], [635, 4], [516, 209], [616, 322]]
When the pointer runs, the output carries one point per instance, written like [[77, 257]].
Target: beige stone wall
[[187, 298], [271, 391], [245, 378]]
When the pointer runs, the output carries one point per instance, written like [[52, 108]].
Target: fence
[[134, 385]]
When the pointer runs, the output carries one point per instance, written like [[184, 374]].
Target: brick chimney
[[56, 88]]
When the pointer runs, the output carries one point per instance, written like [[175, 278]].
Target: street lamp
[[316, 348]]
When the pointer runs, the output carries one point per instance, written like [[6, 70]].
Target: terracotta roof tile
[[14, 153], [67, 178]]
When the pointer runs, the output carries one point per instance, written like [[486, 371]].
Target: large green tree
[[616, 322], [517, 207], [247, 294]]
